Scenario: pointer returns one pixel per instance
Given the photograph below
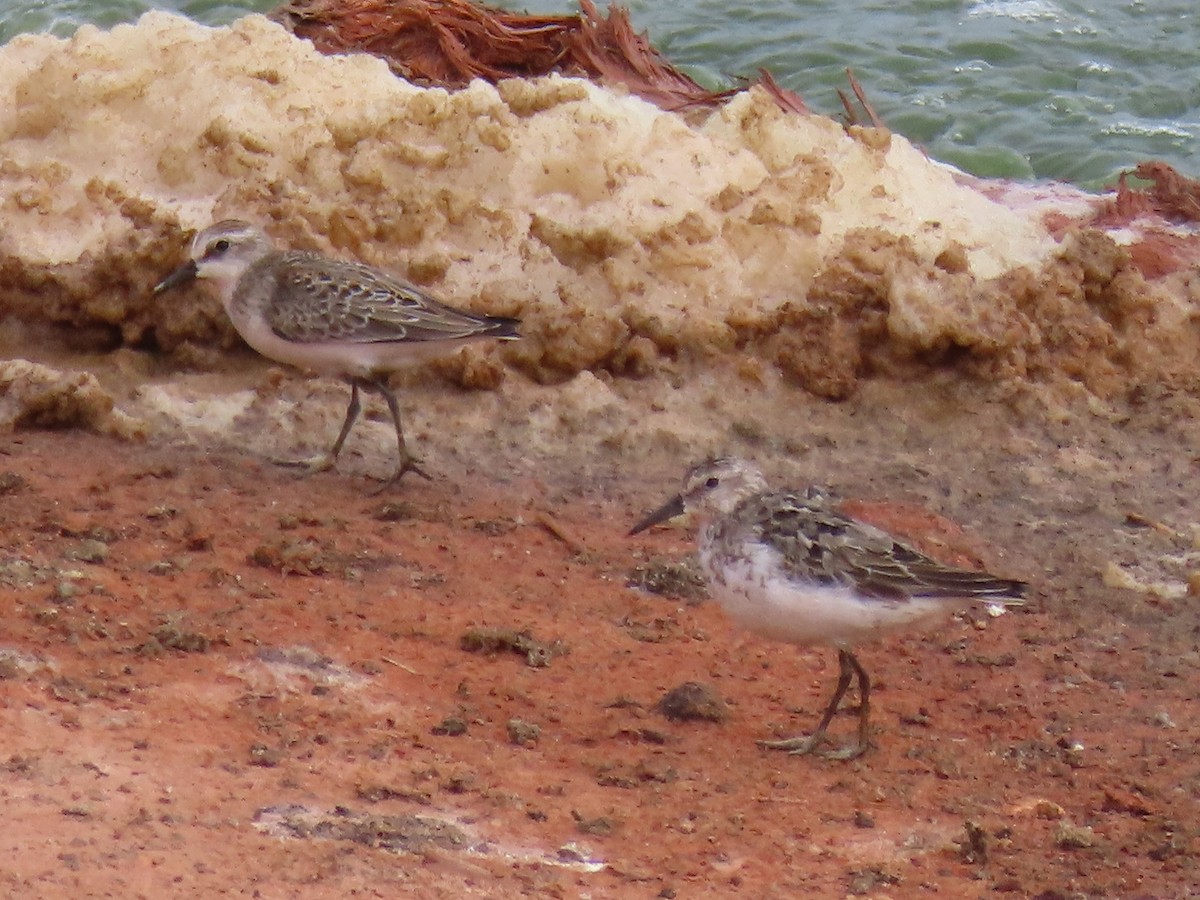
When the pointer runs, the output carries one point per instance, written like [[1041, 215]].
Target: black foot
[[804, 746], [409, 464], [322, 463]]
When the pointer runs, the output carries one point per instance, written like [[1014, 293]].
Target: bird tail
[[503, 328], [965, 584], [989, 589], [1003, 591]]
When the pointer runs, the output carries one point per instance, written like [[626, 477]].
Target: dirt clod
[[691, 702], [451, 726], [538, 654], [600, 826], [265, 756], [974, 847], [399, 833], [292, 557], [1074, 837], [866, 881], [675, 580], [89, 550], [172, 636], [10, 483], [522, 733]]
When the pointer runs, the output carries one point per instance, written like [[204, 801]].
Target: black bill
[[182, 275], [669, 510]]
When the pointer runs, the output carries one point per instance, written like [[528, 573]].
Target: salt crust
[[599, 218]]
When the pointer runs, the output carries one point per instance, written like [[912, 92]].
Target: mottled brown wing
[[902, 571], [317, 299], [819, 543]]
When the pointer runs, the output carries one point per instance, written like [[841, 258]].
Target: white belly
[[753, 590], [342, 358]]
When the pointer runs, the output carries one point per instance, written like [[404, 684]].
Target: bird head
[[221, 253], [712, 488]]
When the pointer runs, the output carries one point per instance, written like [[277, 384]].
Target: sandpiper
[[330, 317], [787, 565]]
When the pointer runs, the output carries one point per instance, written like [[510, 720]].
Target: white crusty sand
[[757, 251]]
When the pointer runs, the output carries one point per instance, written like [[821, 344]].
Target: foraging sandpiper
[[787, 565], [330, 317]]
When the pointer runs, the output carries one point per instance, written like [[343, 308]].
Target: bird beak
[[669, 510], [182, 275]]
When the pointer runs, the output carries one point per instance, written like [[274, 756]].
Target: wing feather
[[818, 543], [317, 299]]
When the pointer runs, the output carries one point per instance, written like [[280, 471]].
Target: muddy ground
[[217, 676]]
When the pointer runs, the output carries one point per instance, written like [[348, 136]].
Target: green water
[[1026, 89]]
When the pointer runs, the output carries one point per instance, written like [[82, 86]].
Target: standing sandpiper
[[787, 565], [331, 317]]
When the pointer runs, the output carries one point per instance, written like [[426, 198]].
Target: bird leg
[[864, 710], [849, 668], [326, 461], [408, 462]]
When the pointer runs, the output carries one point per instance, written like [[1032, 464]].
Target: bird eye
[[712, 482], [218, 247]]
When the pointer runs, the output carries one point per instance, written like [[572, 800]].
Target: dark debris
[[691, 702], [496, 640]]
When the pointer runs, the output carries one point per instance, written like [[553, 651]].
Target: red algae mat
[[218, 678], [450, 42]]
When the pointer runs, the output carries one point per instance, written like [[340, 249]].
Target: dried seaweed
[[851, 117], [1171, 195], [449, 43]]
